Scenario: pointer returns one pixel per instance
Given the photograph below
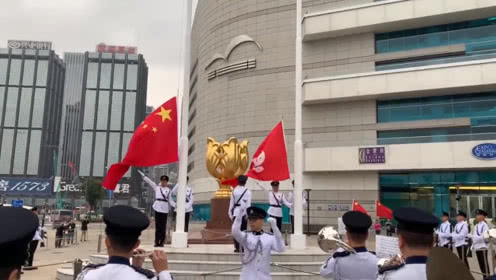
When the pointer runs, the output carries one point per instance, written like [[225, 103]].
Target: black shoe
[[236, 250]]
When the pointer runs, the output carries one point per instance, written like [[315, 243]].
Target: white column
[[298, 239], [179, 237]]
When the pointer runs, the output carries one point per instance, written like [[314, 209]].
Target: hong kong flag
[[383, 211], [357, 207], [154, 142]]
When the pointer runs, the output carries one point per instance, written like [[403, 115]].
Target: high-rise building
[[106, 101], [31, 95]]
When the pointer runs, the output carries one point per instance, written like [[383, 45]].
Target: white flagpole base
[[179, 240], [298, 241]]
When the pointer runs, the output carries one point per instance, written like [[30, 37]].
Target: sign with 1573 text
[[25, 186]]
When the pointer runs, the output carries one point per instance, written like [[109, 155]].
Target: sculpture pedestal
[[218, 229]]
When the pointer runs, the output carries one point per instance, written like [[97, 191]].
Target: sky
[[154, 26]]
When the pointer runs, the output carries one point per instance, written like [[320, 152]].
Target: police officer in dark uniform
[[124, 225], [19, 226]]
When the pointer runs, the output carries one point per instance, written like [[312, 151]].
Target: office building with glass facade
[[397, 96], [106, 100], [31, 96]]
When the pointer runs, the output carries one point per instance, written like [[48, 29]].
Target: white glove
[[272, 222], [142, 174]]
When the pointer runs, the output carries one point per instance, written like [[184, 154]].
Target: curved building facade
[[369, 68]]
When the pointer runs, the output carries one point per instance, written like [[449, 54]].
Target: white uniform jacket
[[444, 233], [413, 269], [119, 268], [460, 234], [291, 201], [346, 266], [189, 198], [241, 197], [257, 250], [162, 196], [478, 236]]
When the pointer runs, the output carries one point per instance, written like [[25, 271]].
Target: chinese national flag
[[154, 142], [358, 207], [383, 211]]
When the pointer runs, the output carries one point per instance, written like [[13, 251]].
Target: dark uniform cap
[[255, 212], [242, 179], [125, 221], [461, 213], [18, 227], [357, 222], [415, 220], [164, 177], [480, 212], [274, 183], [445, 214]]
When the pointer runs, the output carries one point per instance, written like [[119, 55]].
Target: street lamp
[[308, 210]]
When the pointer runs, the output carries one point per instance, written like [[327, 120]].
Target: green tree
[[94, 193]]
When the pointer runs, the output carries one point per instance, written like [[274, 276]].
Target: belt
[[277, 206], [161, 199], [237, 205]]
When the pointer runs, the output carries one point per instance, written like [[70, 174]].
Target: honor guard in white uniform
[[415, 240], [124, 225], [460, 235], [18, 227], [444, 231], [188, 208], [160, 207], [291, 207], [276, 201], [344, 265], [241, 197], [479, 245], [257, 244]]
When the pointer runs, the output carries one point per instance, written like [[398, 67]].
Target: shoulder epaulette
[[148, 273], [341, 254], [87, 269], [390, 267]]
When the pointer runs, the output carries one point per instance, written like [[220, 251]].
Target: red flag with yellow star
[[154, 142]]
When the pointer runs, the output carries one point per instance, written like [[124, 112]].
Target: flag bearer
[[240, 198], [276, 201], [479, 244], [189, 203]]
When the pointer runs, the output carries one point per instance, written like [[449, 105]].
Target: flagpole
[[179, 237], [298, 240]]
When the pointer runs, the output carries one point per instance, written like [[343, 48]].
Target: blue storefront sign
[[17, 203], [485, 151], [25, 186]]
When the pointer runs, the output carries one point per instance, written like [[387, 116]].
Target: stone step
[[191, 265]]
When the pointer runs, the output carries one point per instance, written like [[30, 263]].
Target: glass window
[[28, 76], [99, 156], [86, 152], [92, 76], [38, 107], [3, 70], [89, 109], [126, 137], [2, 99], [118, 76], [132, 76], [11, 109], [116, 111], [113, 150], [25, 107], [6, 152], [34, 152], [15, 71], [20, 151], [129, 111], [103, 110], [42, 73], [105, 75]]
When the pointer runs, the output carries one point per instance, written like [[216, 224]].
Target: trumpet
[[386, 264], [329, 240], [490, 236], [145, 255]]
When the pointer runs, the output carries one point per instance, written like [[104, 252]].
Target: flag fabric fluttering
[[357, 207], [383, 211], [75, 180], [154, 142]]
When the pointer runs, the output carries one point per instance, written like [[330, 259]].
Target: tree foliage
[[94, 193]]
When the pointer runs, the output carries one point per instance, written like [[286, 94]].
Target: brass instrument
[[385, 264], [329, 241]]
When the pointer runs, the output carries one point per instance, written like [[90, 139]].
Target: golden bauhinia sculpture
[[226, 161]]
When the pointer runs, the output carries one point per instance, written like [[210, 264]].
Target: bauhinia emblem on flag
[[357, 207], [383, 211], [258, 163], [154, 142]]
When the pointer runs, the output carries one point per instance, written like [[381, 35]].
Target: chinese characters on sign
[[372, 155], [25, 186], [37, 45], [338, 207], [115, 49]]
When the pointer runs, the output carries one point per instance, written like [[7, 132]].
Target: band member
[[124, 225], [257, 244], [291, 202], [241, 197], [18, 227], [276, 200], [444, 232], [343, 264], [188, 208], [460, 235], [479, 244], [415, 240], [160, 206]]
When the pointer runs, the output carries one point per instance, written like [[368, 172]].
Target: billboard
[[26, 186], [116, 49], [36, 45]]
